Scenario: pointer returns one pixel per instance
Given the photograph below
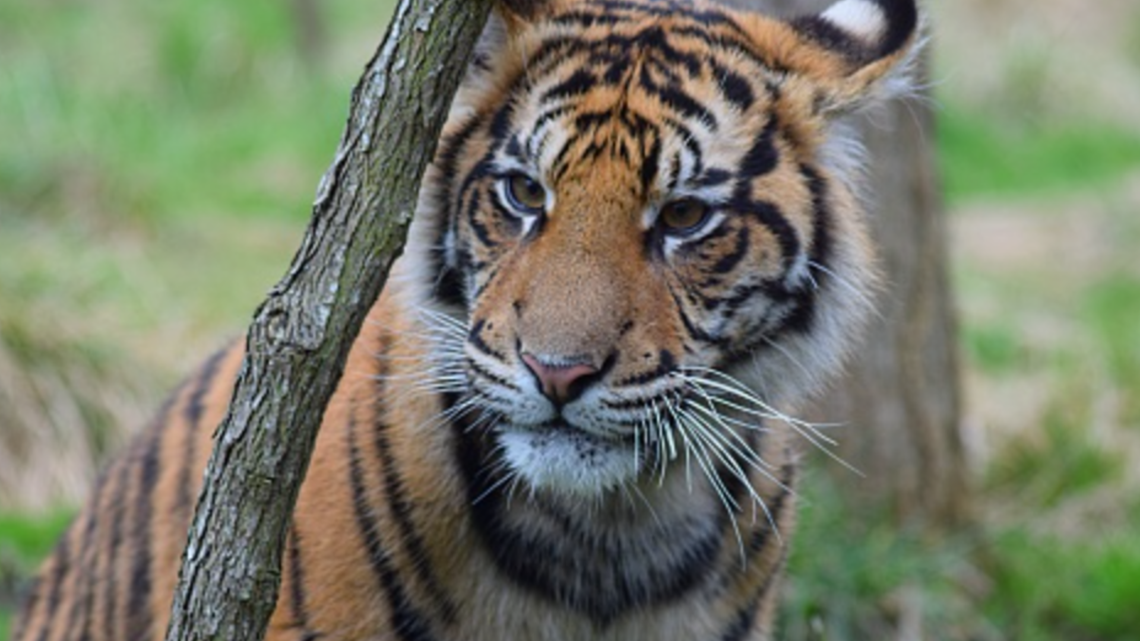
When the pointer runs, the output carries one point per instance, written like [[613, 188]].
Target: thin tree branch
[[301, 335]]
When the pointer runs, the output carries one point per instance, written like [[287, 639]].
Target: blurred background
[[157, 163]]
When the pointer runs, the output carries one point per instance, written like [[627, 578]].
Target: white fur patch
[[567, 462], [861, 18]]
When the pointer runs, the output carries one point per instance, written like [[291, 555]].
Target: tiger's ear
[[846, 53], [508, 19], [514, 12]]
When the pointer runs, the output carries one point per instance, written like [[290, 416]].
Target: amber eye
[[683, 216], [524, 194]]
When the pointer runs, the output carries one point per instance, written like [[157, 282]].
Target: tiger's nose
[[560, 383]]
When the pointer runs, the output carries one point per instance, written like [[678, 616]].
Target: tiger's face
[[639, 217]]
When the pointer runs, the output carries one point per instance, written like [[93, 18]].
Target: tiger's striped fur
[[638, 238]]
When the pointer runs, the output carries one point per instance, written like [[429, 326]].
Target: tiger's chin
[[563, 460]]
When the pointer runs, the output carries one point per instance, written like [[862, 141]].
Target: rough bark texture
[[900, 398], [301, 334]]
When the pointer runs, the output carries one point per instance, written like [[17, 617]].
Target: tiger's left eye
[[682, 217], [524, 194]]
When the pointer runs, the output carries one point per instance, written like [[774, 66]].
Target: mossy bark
[[301, 335]]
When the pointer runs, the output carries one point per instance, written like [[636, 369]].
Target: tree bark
[[301, 335], [900, 398]]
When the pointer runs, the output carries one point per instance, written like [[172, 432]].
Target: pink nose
[[561, 384]]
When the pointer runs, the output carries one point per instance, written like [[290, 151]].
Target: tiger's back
[[639, 238]]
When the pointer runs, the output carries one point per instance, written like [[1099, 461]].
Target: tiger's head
[[641, 214]]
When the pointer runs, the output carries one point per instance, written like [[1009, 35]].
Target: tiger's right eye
[[524, 194], [683, 217]]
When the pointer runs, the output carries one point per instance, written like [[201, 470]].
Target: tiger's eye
[[683, 216], [525, 194]]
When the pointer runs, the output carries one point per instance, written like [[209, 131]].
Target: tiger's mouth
[[605, 435], [560, 457]]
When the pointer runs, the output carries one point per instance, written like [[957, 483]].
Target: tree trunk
[[301, 335], [901, 393], [900, 398], [309, 26]]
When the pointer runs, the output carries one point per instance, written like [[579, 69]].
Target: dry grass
[[45, 461]]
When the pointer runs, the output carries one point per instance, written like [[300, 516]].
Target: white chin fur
[[567, 462]]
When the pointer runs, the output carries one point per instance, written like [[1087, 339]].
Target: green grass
[[849, 573], [986, 154], [28, 539], [1047, 588], [25, 540], [1112, 309], [200, 109], [1061, 460]]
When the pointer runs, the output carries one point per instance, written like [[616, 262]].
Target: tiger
[[565, 418]]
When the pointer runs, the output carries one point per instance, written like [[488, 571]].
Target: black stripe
[[195, 407], [94, 577], [547, 116], [694, 332], [195, 403], [28, 608], [740, 627], [577, 84], [689, 141], [821, 241], [831, 37], [55, 583], [771, 217], [901, 17], [475, 338], [655, 39], [676, 99], [745, 619], [734, 87], [482, 231], [489, 277], [482, 372], [113, 627], [772, 580], [297, 585], [740, 47], [139, 621], [762, 158], [570, 563], [400, 508], [674, 170], [443, 279], [666, 363], [407, 622], [501, 121], [732, 259], [760, 537], [586, 19], [803, 312], [902, 20], [84, 571], [713, 177], [617, 66]]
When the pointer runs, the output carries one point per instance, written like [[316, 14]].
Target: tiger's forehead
[[670, 91]]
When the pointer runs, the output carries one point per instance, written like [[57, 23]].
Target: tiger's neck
[[603, 563]]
